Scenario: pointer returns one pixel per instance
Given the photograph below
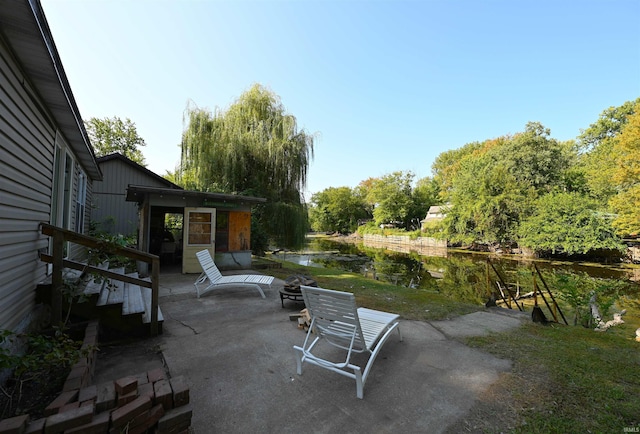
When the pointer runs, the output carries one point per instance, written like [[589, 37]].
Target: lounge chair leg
[[298, 360], [359, 385]]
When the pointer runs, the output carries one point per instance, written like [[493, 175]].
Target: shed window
[[200, 228]]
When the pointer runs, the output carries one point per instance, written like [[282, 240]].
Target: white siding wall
[[26, 161], [27, 144]]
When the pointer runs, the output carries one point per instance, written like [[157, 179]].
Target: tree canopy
[[527, 188], [337, 209], [252, 148], [626, 175], [111, 135], [567, 223]]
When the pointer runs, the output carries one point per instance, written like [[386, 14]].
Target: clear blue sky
[[386, 85]]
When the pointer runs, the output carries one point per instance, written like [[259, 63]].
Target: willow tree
[[252, 148]]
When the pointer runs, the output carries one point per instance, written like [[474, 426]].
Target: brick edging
[[145, 402]]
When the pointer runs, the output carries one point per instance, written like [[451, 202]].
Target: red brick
[[87, 393], [156, 375], [14, 425], [146, 390], [142, 378], [182, 427], [106, 398], [162, 390], [180, 391], [36, 426], [175, 420], [126, 385], [77, 372], [121, 416], [72, 384], [69, 406], [146, 420], [99, 425], [125, 399], [62, 399], [69, 419]]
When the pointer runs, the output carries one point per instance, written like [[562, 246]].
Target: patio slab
[[235, 352]]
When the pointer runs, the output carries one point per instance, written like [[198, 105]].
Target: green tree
[[487, 202], [337, 209], [627, 176], [111, 135], [425, 194], [599, 157], [567, 223], [446, 165], [252, 148], [534, 158], [391, 195]]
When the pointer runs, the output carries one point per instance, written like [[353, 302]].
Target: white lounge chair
[[336, 320], [216, 279]]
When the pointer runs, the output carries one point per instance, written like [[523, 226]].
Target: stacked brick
[[148, 402]]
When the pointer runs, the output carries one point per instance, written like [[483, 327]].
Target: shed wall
[[111, 211]]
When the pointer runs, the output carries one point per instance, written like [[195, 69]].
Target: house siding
[[27, 143], [111, 212], [27, 148]]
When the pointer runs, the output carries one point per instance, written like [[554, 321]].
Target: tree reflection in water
[[459, 275]]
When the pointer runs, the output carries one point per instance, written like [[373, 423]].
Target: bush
[[36, 376]]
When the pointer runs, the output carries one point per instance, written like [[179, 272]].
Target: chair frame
[[216, 279], [336, 320]]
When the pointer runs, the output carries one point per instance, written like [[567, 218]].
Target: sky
[[382, 85]]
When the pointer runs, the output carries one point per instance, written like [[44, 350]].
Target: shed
[[218, 222], [111, 212]]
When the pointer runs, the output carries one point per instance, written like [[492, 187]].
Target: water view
[[462, 275]]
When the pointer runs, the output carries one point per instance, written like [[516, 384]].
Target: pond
[[461, 275]]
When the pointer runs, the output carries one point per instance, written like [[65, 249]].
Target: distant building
[[111, 212], [435, 213]]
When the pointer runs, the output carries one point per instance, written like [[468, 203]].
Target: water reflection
[[462, 276]]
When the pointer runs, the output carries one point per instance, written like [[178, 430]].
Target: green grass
[[564, 378], [571, 379], [413, 304]]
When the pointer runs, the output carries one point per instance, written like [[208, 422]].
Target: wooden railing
[[60, 236]]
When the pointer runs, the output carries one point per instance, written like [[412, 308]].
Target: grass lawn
[[565, 379]]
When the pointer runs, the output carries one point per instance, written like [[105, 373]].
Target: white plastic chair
[[336, 320], [216, 279]]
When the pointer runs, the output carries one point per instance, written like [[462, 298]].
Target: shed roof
[[25, 28], [119, 157], [137, 193]]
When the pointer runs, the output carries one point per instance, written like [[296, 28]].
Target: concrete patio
[[234, 349]]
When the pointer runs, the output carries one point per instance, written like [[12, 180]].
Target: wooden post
[[143, 235], [155, 284], [56, 278]]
